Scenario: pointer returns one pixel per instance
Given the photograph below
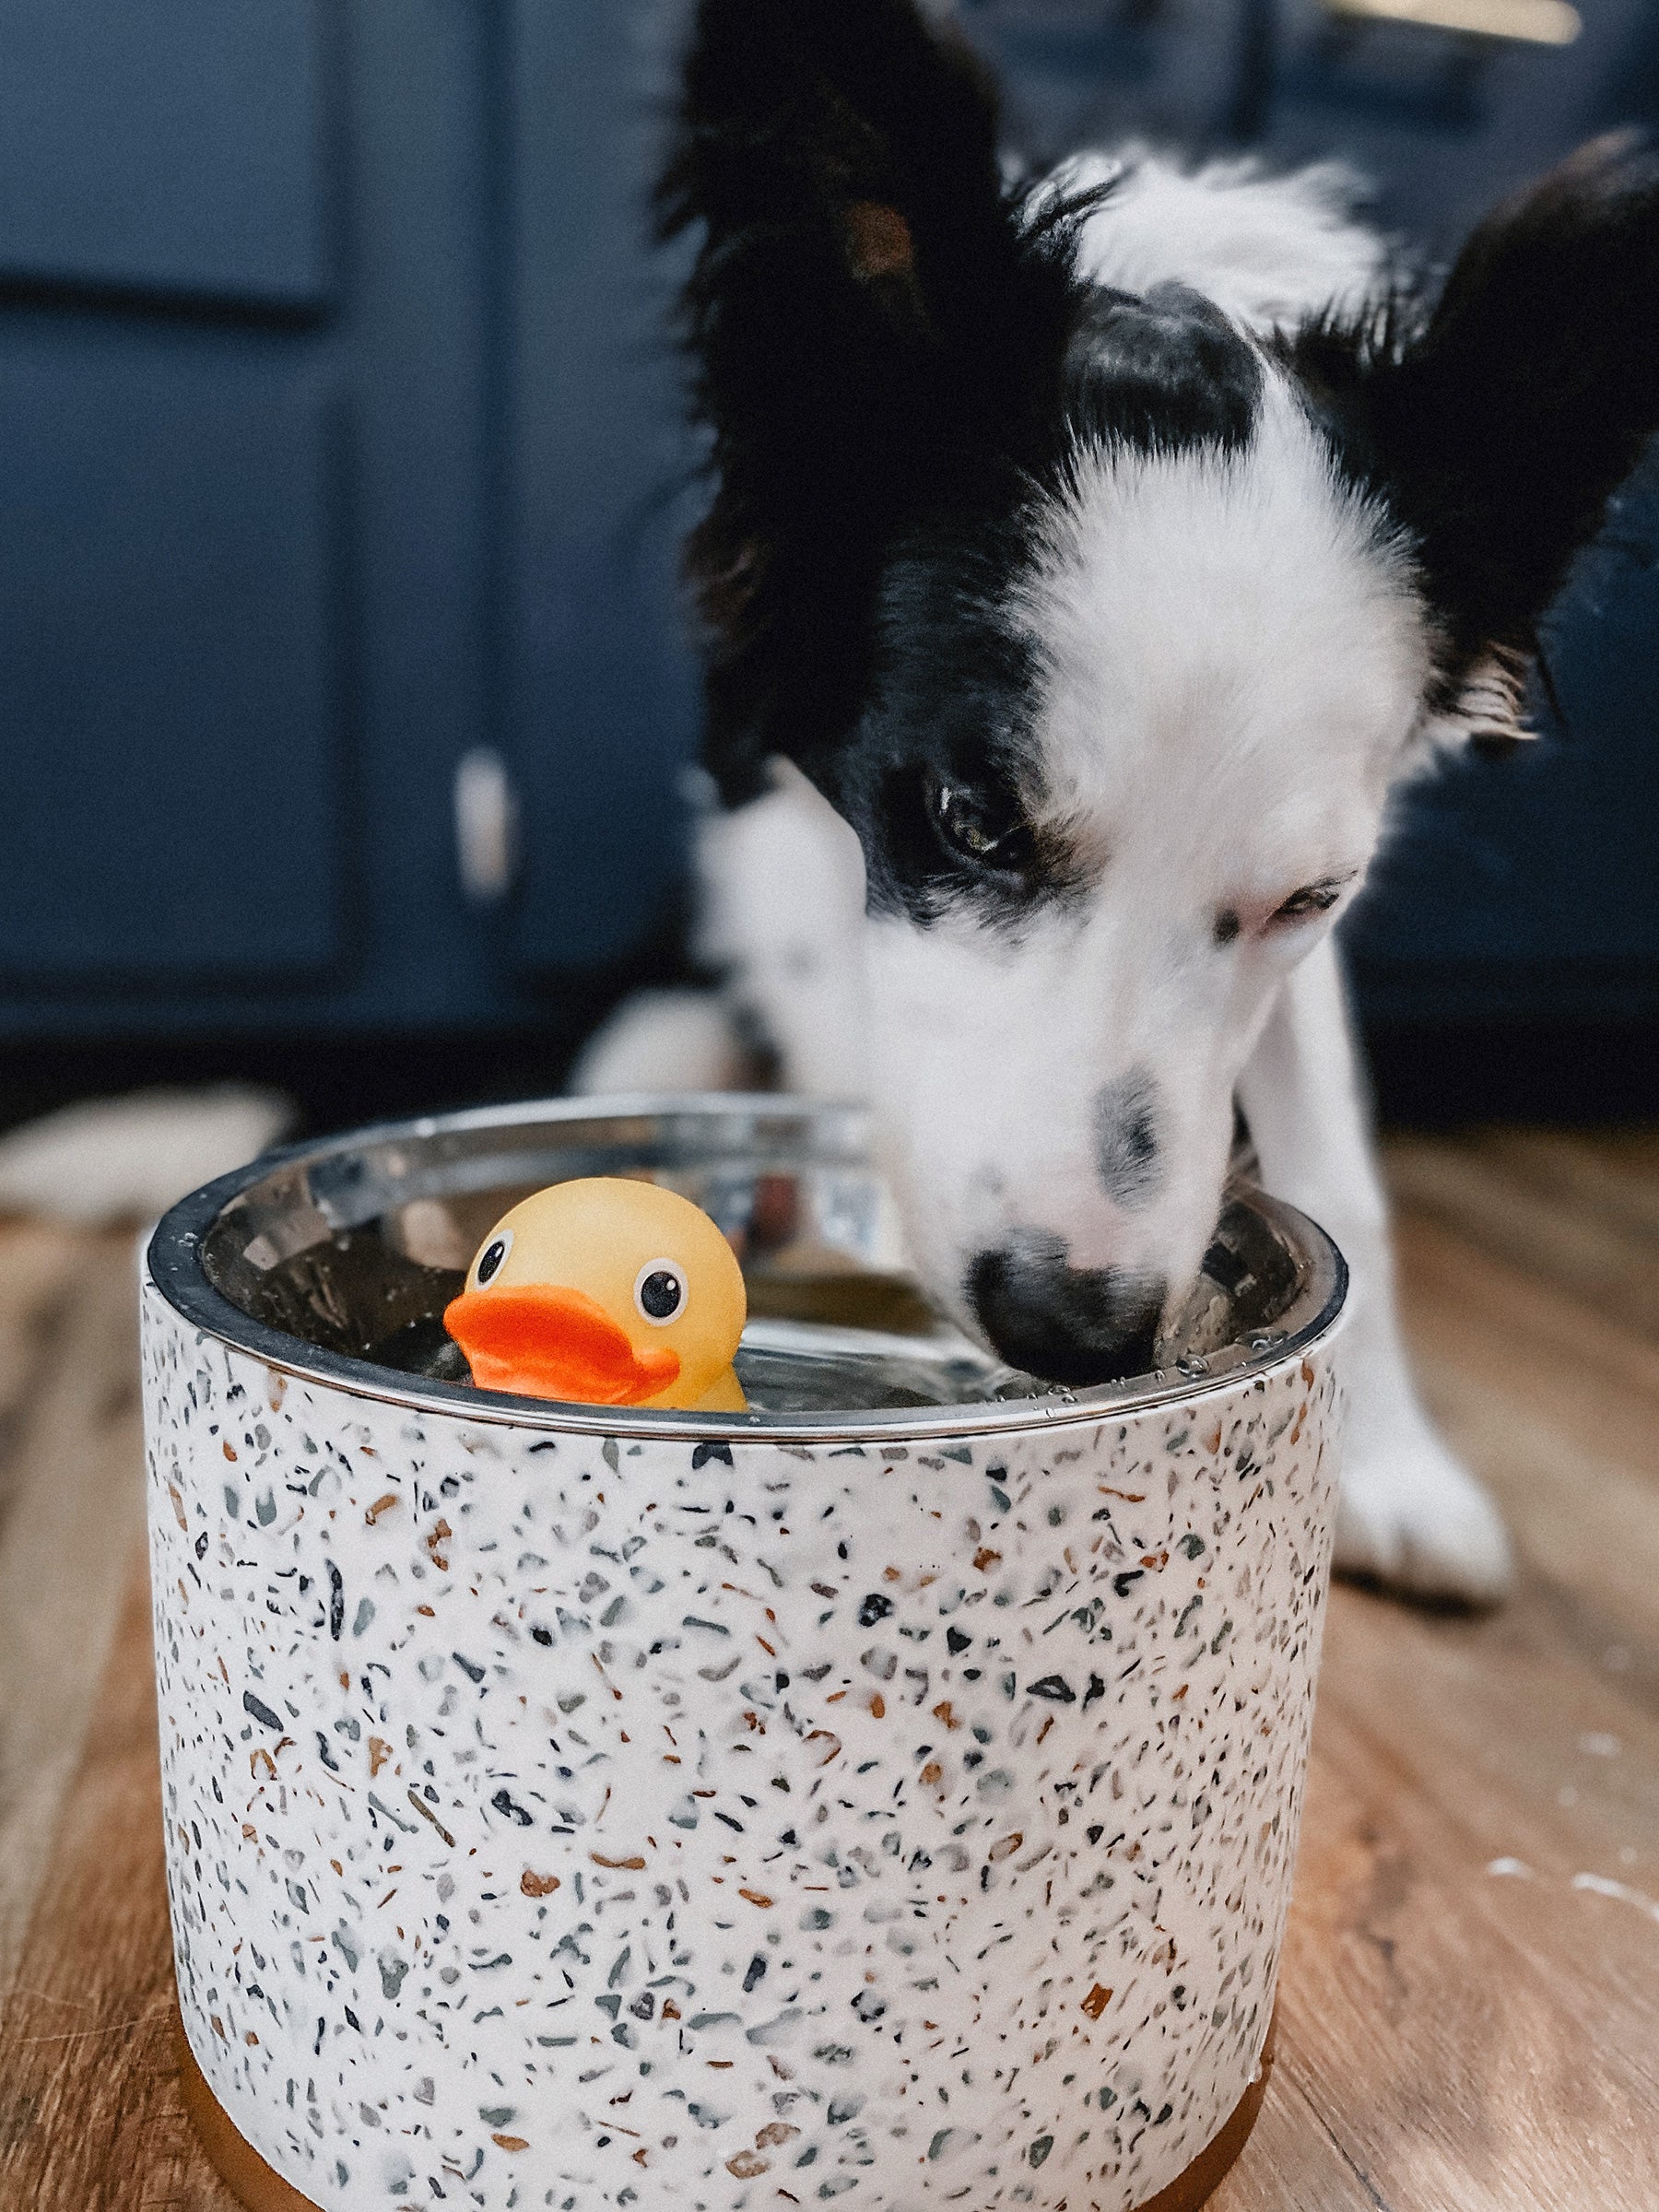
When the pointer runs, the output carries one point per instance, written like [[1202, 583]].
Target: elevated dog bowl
[[889, 1793]]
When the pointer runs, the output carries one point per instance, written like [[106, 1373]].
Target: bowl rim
[[173, 1266]]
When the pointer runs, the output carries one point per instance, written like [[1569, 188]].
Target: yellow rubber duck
[[604, 1292]]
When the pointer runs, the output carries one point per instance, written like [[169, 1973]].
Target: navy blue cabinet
[[339, 444], [181, 146], [170, 528], [602, 705]]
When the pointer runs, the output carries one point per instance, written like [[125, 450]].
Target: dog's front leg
[[1410, 1514]]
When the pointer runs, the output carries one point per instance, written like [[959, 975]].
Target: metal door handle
[[487, 825]]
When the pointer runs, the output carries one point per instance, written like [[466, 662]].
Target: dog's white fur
[[1193, 773], [1161, 578], [1268, 250]]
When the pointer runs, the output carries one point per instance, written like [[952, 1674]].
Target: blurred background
[[344, 695]]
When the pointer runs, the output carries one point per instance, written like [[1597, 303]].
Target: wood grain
[[91, 2113], [1469, 2003], [71, 1507]]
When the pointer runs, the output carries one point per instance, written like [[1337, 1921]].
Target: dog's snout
[[1071, 1324]]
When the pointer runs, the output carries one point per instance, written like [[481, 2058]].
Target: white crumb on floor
[[1594, 1885], [1599, 1885], [1599, 1745]]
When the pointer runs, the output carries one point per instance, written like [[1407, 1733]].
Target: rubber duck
[[604, 1292]]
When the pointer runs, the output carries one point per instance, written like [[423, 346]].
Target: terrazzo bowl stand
[[558, 1818]]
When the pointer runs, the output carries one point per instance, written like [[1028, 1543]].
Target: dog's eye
[[1313, 899], [990, 831]]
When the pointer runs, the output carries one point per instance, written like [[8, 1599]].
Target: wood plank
[[1452, 2039], [75, 1505], [38, 1269], [1584, 1173], [90, 2117], [1550, 1205], [1293, 2162], [1558, 1411]]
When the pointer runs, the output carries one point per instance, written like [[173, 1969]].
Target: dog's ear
[[863, 301], [1499, 426]]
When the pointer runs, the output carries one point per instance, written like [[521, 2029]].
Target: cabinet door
[[172, 497], [168, 782], [338, 439], [601, 691], [169, 147]]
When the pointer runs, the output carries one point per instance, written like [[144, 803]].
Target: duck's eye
[[660, 1293], [1313, 899], [493, 1257], [986, 828]]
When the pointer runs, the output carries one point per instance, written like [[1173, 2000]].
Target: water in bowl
[[363, 1263]]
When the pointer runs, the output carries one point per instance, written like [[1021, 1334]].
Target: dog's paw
[[1411, 1517]]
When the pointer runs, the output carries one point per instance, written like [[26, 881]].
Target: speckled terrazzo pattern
[[552, 1821]]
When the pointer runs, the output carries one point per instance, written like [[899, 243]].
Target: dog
[[1089, 558]]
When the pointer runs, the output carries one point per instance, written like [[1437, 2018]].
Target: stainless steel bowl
[[334, 1260]]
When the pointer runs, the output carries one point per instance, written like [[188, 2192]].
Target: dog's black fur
[[893, 352], [1498, 426]]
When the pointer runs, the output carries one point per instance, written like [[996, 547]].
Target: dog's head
[[1107, 626]]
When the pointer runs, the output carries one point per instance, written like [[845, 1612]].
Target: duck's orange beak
[[547, 1342]]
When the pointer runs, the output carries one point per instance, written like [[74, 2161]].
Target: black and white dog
[[1089, 558]]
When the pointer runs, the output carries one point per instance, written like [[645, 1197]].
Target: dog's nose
[[1071, 1324]]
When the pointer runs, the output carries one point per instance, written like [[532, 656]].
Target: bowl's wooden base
[[1207, 2170], [261, 2188], [254, 2184]]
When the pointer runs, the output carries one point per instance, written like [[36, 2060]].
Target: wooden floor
[[1470, 1997]]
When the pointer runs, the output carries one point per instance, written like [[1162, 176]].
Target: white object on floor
[[124, 1160]]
